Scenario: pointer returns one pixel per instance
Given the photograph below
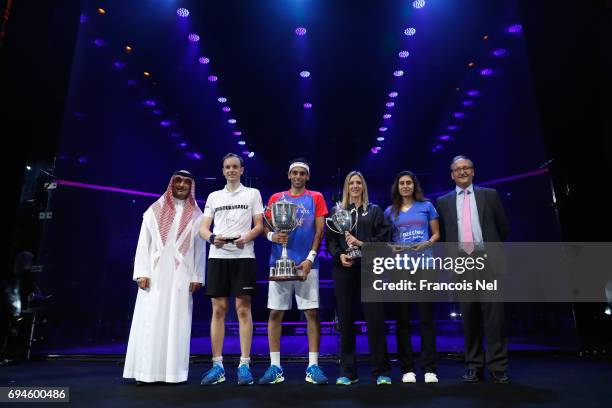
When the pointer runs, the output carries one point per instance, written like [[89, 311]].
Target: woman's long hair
[[345, 190], [396, 198]]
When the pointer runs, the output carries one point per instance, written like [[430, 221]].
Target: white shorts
[[306, 293]]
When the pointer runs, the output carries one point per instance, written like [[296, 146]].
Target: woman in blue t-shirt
[[415, 223]]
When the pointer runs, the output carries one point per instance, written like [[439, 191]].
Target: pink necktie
[[467, 239]]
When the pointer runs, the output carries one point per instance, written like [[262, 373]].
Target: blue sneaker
[[213, 376], [273, 375], [346, 381], [383, 380], [314, 375], [244, 375]]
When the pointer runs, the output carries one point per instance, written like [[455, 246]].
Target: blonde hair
[[345, 190]]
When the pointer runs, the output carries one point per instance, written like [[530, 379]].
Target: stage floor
[[549, 381]]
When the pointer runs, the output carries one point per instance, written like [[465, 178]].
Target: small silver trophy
[[284, 218], [342, 219]]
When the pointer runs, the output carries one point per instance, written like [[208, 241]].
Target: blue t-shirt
[[412, 225], [300, 240]]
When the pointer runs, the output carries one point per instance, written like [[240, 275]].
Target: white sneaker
[[431, 378], [409, 377]]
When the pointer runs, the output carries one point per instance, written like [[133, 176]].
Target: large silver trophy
[[342, 219], [284, 218]]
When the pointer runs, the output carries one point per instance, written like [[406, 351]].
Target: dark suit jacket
[[491, 214]]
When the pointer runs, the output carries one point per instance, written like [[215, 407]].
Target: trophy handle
[[327, 220], [356, 218], [267, 207]]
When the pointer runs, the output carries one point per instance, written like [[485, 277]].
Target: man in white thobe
[[168, 268]]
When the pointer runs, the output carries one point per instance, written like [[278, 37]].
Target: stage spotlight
[[242, 143], [164, 123], [193, 155], [99, 42], [486, 72], [500, 52], [418, 4], [373, 150], [237, 133], [473, 92], [28, 168], [410, 31], [382, 129], [222, 99], [226, 109], [300, 31], [468, 103], [514, 29], [387, 116], [128, 49], [182, 12], [304, 74], [150, 102], [252, 154], [453, 127], [398, 73], [445, 137], [390, 104], [458, 115], [380, 138], [232, 121], [307, 105], [101, 11], [193, 37], [183, 144], [471, 64], [212, 78], [393, 95], [403, 54], [203, 60], [146, 73]]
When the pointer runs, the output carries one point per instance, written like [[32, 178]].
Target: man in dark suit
[[472, 216]]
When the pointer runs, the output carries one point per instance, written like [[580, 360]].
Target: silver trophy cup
[[284, 218], [342, 219]]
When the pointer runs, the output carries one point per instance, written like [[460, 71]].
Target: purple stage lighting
[[226, 109], [403, 54], [193, 155], [183, 144], [514, 29], [380, 138], [382, 129], [252, 154], [99, 42], [182, 12], [398, 73], [300, 31], [500, 52], [418, 4], [374, 150], [473, 92], [486, 72], [232, 121], [119, 64], [468, 102], [193, 37], [237, 133], [242, 143], [410, 31], [453, 127], [387, 116], [307, 105], [304, 74], [164, 123], [157, 112], [458, 115], [445, 137], [393, 94], [212, 78], [203, 60], [175, 135], [390, 104], [222, 99], [150, 102], [245, 152]]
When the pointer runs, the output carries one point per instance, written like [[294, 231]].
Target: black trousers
[[428, 337], [347, 287], [488, 318]]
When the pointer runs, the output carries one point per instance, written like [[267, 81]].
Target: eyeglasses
[[462, 169]]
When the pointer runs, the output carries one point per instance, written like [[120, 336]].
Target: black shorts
[[236, 277]]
